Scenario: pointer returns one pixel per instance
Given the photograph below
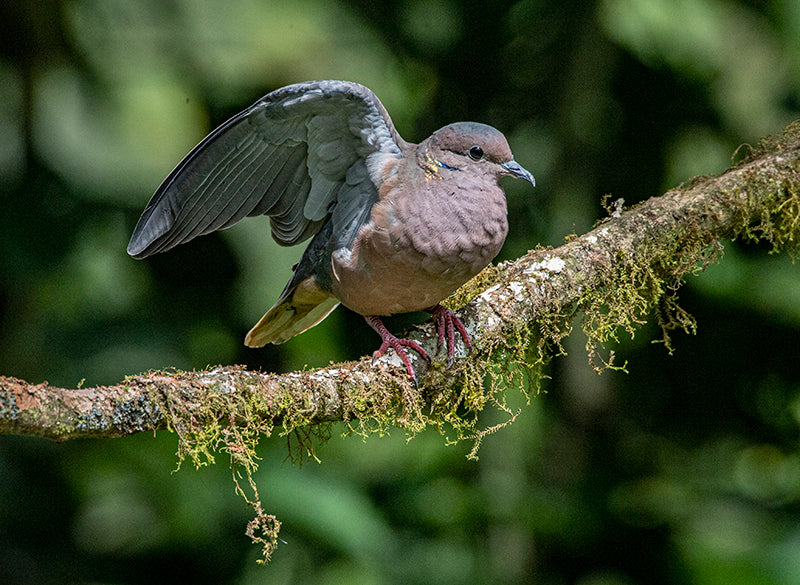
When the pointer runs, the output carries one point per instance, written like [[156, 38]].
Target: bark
[[614, 276]]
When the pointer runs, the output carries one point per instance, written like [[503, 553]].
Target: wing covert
[[287, 156]]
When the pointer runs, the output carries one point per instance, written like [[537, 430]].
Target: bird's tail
[[299, 308]]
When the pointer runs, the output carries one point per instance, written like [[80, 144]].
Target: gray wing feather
[[288, 156]]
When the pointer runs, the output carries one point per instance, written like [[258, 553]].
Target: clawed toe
[[447, 323], [397, 344]]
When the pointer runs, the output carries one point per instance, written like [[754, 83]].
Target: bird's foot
[[397, 344], [447, 323]]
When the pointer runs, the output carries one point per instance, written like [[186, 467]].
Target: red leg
[[446, 324], [396, 344]]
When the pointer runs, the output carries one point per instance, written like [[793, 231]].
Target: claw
[[398, 345]]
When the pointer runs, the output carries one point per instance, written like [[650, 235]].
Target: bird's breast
[[419, 247]]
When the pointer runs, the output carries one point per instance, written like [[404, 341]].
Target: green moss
[[779, 210], [485, 279], [647, 284], [232, 419], [636, 288], [513, 361]]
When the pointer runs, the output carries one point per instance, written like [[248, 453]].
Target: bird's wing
[[294, 155]]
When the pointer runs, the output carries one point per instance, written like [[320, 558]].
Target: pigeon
[[394, 227]]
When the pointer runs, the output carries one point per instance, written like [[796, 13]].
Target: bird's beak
[[513, 168]]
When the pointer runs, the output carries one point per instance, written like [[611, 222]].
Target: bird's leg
[[446, 324], [396, 344]]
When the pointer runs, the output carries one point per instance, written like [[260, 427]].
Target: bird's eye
[[475, 152]]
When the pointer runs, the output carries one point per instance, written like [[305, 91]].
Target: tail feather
[[298, 309]]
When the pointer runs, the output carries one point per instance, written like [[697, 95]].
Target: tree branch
[[614, 276]]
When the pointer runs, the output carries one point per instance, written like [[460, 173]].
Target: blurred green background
[[685, 470]]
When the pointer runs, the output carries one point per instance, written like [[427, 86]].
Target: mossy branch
[[615, 276]]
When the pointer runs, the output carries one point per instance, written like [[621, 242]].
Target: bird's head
[[472, 147]]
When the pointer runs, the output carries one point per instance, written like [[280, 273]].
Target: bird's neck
[[431, 164]]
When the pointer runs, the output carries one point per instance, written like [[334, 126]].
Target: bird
[[394, 227]]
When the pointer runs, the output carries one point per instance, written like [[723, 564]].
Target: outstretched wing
[[294, 155]]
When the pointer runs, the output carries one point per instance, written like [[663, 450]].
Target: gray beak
[[513, 168]]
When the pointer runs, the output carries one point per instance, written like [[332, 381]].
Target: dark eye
[[475, 152]]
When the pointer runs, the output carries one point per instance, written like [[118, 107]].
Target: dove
[[394, 227]]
